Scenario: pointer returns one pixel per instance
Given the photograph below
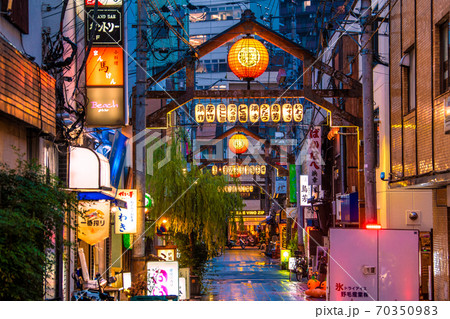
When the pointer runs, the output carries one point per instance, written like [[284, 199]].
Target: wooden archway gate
[[249, 25]]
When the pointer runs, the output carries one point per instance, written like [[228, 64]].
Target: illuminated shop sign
[[126, 218], [104, 67], [243, 113], [105, 107], [250, 213], [105, 3], [108, 24], [239, 170], [162, 278]]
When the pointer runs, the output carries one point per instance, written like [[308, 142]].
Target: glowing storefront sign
[[162, 278], [126, 218], [104, 67], [107, 24], [106, 107]]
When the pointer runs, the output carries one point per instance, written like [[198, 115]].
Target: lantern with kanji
[[248, 58], [238, 143]]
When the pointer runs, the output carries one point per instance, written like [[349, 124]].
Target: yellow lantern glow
[[275, 111], [243, 113], [248, 58], [200, 113], [263, 169], [221, 113], [232, 113], [225, 170], [214, 170], [264, 110], [254, 113], [298, 112], [287, 112], [210, 113]]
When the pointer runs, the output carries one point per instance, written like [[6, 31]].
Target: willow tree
[[192, 200]]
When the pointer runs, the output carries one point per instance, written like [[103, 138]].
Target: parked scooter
[[91, 294], [242, 243], [230, 243]]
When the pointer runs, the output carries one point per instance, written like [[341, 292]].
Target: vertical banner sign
[[292, 184], [93, 222], [305, 190], [126, 218], [314, 157], [162, 278], [105, 65]]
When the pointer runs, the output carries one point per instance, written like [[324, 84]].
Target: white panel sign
[[126, 218], [305, 190], [162, 278]]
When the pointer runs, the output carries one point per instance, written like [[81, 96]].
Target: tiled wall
[[440, 250]]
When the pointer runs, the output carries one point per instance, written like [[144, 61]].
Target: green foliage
[[32, 210], [192, 201]]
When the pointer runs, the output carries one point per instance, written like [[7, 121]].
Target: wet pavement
[[249, 275]]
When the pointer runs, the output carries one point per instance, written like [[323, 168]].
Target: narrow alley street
[[247, 274]]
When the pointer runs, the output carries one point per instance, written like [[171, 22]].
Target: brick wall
[[418, 143], [440, 250]]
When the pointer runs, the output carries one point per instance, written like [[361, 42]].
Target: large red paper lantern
[[238, 143], [248, 58]]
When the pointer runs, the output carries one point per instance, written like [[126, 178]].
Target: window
[[412, 81], [19, 13], [444, 44], [408, 62]]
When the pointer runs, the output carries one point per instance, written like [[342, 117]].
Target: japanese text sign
[[126, 218], [104, 67], [162, 278], [314, 157], [107, 24], [93, 221]]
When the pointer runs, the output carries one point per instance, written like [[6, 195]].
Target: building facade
[[419, 144]]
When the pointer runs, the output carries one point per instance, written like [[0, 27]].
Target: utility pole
[[138, 261], [370, 211]]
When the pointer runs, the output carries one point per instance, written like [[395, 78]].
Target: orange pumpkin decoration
[[323, 285], [238, 143], [313, 284], [316, 293], [248, 58]]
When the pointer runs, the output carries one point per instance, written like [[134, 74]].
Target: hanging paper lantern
[[298, 112], [214, 170], [210, 113], [238, 143], [254, 113], [232, 113], [221, 113], [248, 58], [200, 113], [275, 111], [263, 169], [287, 112], [264, 110], [243, 113]]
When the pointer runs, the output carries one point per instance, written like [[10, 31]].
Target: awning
[[91, 196]]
